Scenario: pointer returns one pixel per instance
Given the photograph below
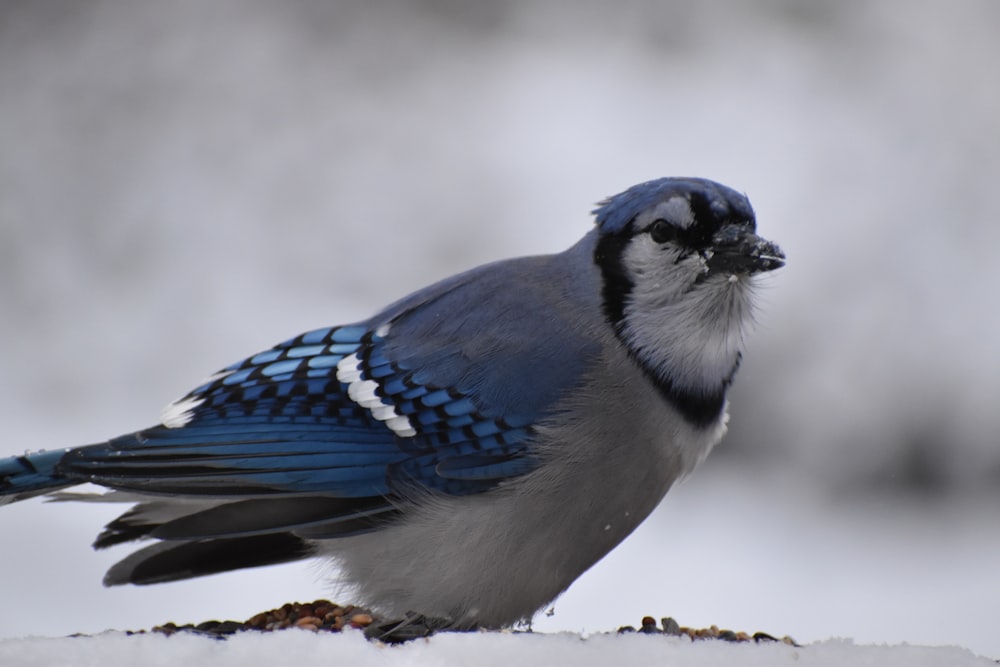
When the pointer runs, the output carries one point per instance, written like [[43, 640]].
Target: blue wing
[[439, 391], [323, 435]]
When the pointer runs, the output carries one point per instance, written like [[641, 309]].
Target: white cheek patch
[[365, 393], [692, 330], [655, 273]]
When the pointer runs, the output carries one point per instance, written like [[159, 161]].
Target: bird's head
[[678, 257], [674, 236]]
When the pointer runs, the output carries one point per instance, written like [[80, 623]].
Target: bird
[[470, 450]]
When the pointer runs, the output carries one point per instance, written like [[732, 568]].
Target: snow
[[481, 649]]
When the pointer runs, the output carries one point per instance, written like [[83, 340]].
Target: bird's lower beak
[[736, 249]]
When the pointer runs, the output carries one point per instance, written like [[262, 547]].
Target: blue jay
[[469, 451]]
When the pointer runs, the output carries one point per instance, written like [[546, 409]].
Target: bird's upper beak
[[736, 249]]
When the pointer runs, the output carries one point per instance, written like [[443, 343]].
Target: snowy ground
[[183, 184], [502, 650]]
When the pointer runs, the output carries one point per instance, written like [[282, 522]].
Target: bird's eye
[[662, 231]]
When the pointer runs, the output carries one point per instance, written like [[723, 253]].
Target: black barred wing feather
[[326, 413]]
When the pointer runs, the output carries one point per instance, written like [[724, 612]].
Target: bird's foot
[[411, 626]]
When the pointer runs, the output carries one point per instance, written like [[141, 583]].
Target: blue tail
[[30, 475]]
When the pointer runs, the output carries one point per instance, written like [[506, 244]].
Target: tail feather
[[33, 474]]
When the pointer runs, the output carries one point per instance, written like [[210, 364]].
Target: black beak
[[736, 249]]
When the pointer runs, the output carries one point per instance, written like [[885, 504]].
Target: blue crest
[[615, 213]]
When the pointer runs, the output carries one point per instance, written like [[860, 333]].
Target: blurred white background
[[183, 184]]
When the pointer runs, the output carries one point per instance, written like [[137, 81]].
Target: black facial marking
[[708, 220], [705, 225], [608, 255]]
